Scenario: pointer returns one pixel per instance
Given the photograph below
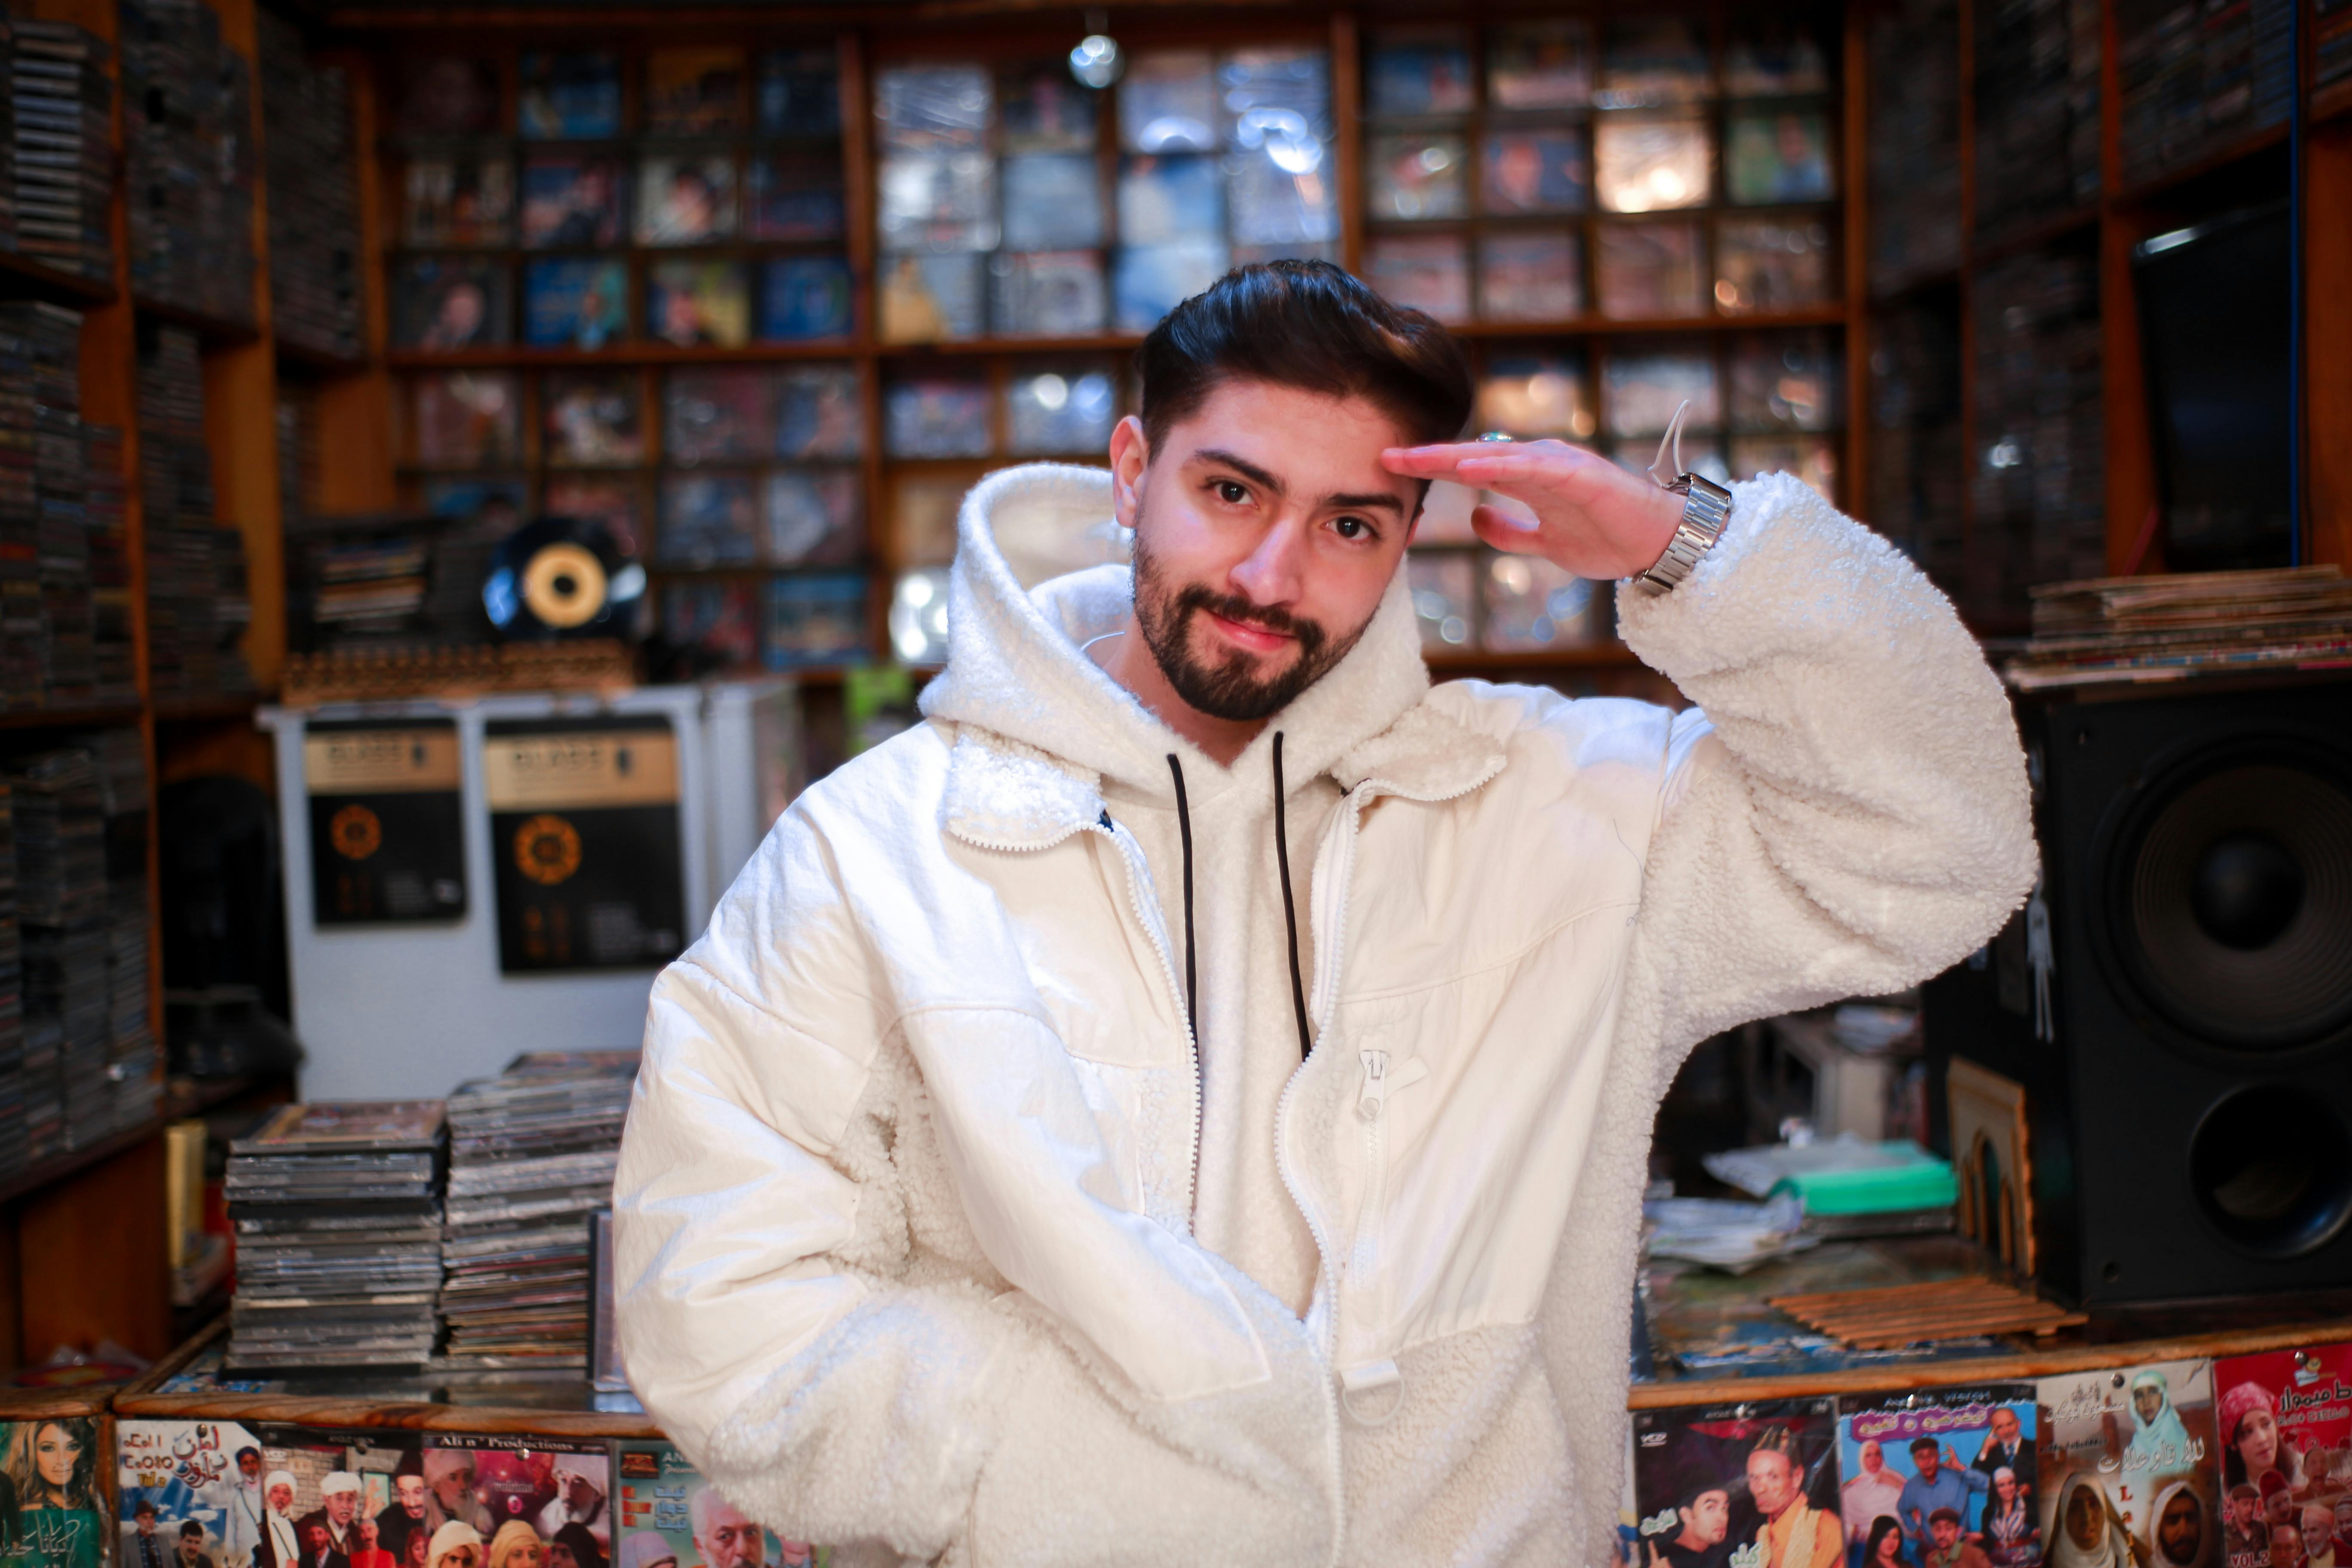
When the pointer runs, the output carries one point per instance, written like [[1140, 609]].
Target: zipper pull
[[1372, 1099]]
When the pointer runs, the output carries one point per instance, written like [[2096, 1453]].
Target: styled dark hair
[[1306, 324]]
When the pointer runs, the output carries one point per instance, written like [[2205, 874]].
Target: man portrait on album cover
[[339, 1507], [2006, 1447], [1189, 1099], [405, 1514], [190, 1551]]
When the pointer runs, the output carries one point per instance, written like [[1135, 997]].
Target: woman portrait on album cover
[[52, 1468]]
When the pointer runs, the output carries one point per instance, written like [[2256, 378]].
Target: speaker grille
[[2230, 901]]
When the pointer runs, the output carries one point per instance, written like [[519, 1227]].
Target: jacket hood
[[1014, 666]]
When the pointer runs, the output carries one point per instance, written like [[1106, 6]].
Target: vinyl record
[[563, 577]]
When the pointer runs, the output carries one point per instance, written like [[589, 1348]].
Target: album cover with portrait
[[698, 304], [1544, 170], [816, 412], [707, 519], [452, 302], [717, 624], [1738, 1486], [663, 1497], [1041, 108], [805, 298], [686, 199], [2129, 1460], [795, 197], [589, 419], [613, 502], [466, 418], [572, 201], [553, 1493], [1929, 1470], [205, 1482], [813, 517], [925, 299], [2284, 1425], [575, 302], [1409, 72], [799, 92], [569, 95], [716, 414], [1781, 157]]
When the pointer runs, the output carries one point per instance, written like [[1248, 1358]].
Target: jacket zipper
[[1147, 914]]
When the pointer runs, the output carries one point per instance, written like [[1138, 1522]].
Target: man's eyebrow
[[1366, 501]]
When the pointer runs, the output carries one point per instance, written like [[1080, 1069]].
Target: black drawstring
[[1289, 909], [1184, 830]]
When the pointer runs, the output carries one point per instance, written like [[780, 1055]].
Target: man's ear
[[1130, 457]]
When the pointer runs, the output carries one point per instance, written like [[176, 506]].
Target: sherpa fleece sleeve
[[802, 1309], [1844, 810]]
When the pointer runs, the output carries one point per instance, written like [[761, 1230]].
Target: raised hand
[[1591, 517]]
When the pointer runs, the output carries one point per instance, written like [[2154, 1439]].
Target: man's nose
[[1274, 570]]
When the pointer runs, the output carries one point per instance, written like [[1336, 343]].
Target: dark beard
[[1229, 688]]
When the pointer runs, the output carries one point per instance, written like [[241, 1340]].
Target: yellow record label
[[378, 762], [563, 584], [572, 770]]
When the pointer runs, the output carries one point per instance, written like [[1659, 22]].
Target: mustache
[[1234, 607]]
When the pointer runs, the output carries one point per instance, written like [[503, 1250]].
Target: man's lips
[[1244, 634]]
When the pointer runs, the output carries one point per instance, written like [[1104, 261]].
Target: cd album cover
[[716, 414], [1536, 394], [1773, 56], [1042, 110], [1740, 1486], [698, 304], [169, 1474], [1765, 264], [1169, 201], [802, 298], [1920, 1471], [706, 520], [1052, 412], [816, 412], [387, 826], [574, 302], [1640, 391], [57, 1519], [1539, 65], [610, 502], [1049, 294], [663, 1497], [933, 108], [799, 92], [686, 200], [1785, 381], [1648, 271], [794, 197], [936, 417], [1053, 201], [458, 200], [349, 1488], [569, 95], [451, 303], [493, 506], [931, 297], [466, 418], [324, 1125], [694, 91], [816, 618], [2127, 1455], [571, 201], [813, 517], [1644, 165], [1167, 103], [1651, 59], [1782, 157], [1536, 171], [1530, 275], [584, 838], [1428, 272], [1413, 72], [1417, 175], [938, 201], [718, 623], [1150, 280], [2284, 1424], [590, 418], [447, 97]]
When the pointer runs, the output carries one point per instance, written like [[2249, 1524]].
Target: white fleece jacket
[[948, 1231]]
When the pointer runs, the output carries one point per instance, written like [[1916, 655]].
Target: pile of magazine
[[338, 1236], [532, 1157]]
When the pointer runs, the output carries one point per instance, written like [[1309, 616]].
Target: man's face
[[248, 1465], [581, 1493], [451, 1486], [729, 1538], [1924, 1460], [341, 1506], [1771, 1480], [1707, 1521], [190, 1547], [2243, 1511], [368, 1533], [281, 1497], [2278, 1508], [2318, 1524], [1265, 532], [314, 1540], [1944, 1532], [412, 1495], [147, 1523], [2286, 1546], [2177, 1530], [2004, 1427]]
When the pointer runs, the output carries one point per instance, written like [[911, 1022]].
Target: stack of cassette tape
[[532, 1157], [338, 1236]]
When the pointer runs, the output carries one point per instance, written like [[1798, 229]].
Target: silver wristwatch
[[1707, 507]]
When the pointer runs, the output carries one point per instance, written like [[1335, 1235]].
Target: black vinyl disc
[[559, 577]]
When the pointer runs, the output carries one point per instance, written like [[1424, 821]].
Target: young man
[[191, 1552], [1940, 1482], [1947, 1549], [1187, 1099], [404, 1514], [1706, 1516], [1793, 1534]]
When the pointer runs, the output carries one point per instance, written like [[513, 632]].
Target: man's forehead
[[1315, 445]]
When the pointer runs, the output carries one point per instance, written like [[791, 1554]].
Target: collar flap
[[1003, 795], [1424, 755]]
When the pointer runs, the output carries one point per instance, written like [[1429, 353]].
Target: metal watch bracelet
[[1706, 506]]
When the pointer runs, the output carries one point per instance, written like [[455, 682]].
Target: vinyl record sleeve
[[685, 199], [695, 90], [1530, 275], [799, 92], [1533, 172], [717, 621], [590, 418], [1646, 271], [1539, 65], [615, 501], [1042, 110], [816, 412], [816, 618], [1884, 1447], [466, 418], [1640, 391], [1777, 157], [452, 302], [813, 517], [1771, 265], [458, 199], [716, 414], [1167, 103], [936, 417], [584, 837], [1055, 412], [794, 197], [574, 302], [698, 303], [449, 95], [569, 95], [1053, 201], [1650, 164], [931, 297], [1417, 71], [1740, 1486], [1427, 272], [934, 108], [573, 201], [806, 297], [1423, 174], [1049, 294], [387, 825], [706, 520]]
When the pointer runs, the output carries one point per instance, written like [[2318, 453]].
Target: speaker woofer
[[2230, 900], [2271, 1167]]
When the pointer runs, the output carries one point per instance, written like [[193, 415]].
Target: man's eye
[[1230, 492], [1352, 528]]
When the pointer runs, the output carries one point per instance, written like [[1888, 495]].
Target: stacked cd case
[[61, 152], [531, 1156], [314, 244], [337, 1236], [61, 901], [188, 150]]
